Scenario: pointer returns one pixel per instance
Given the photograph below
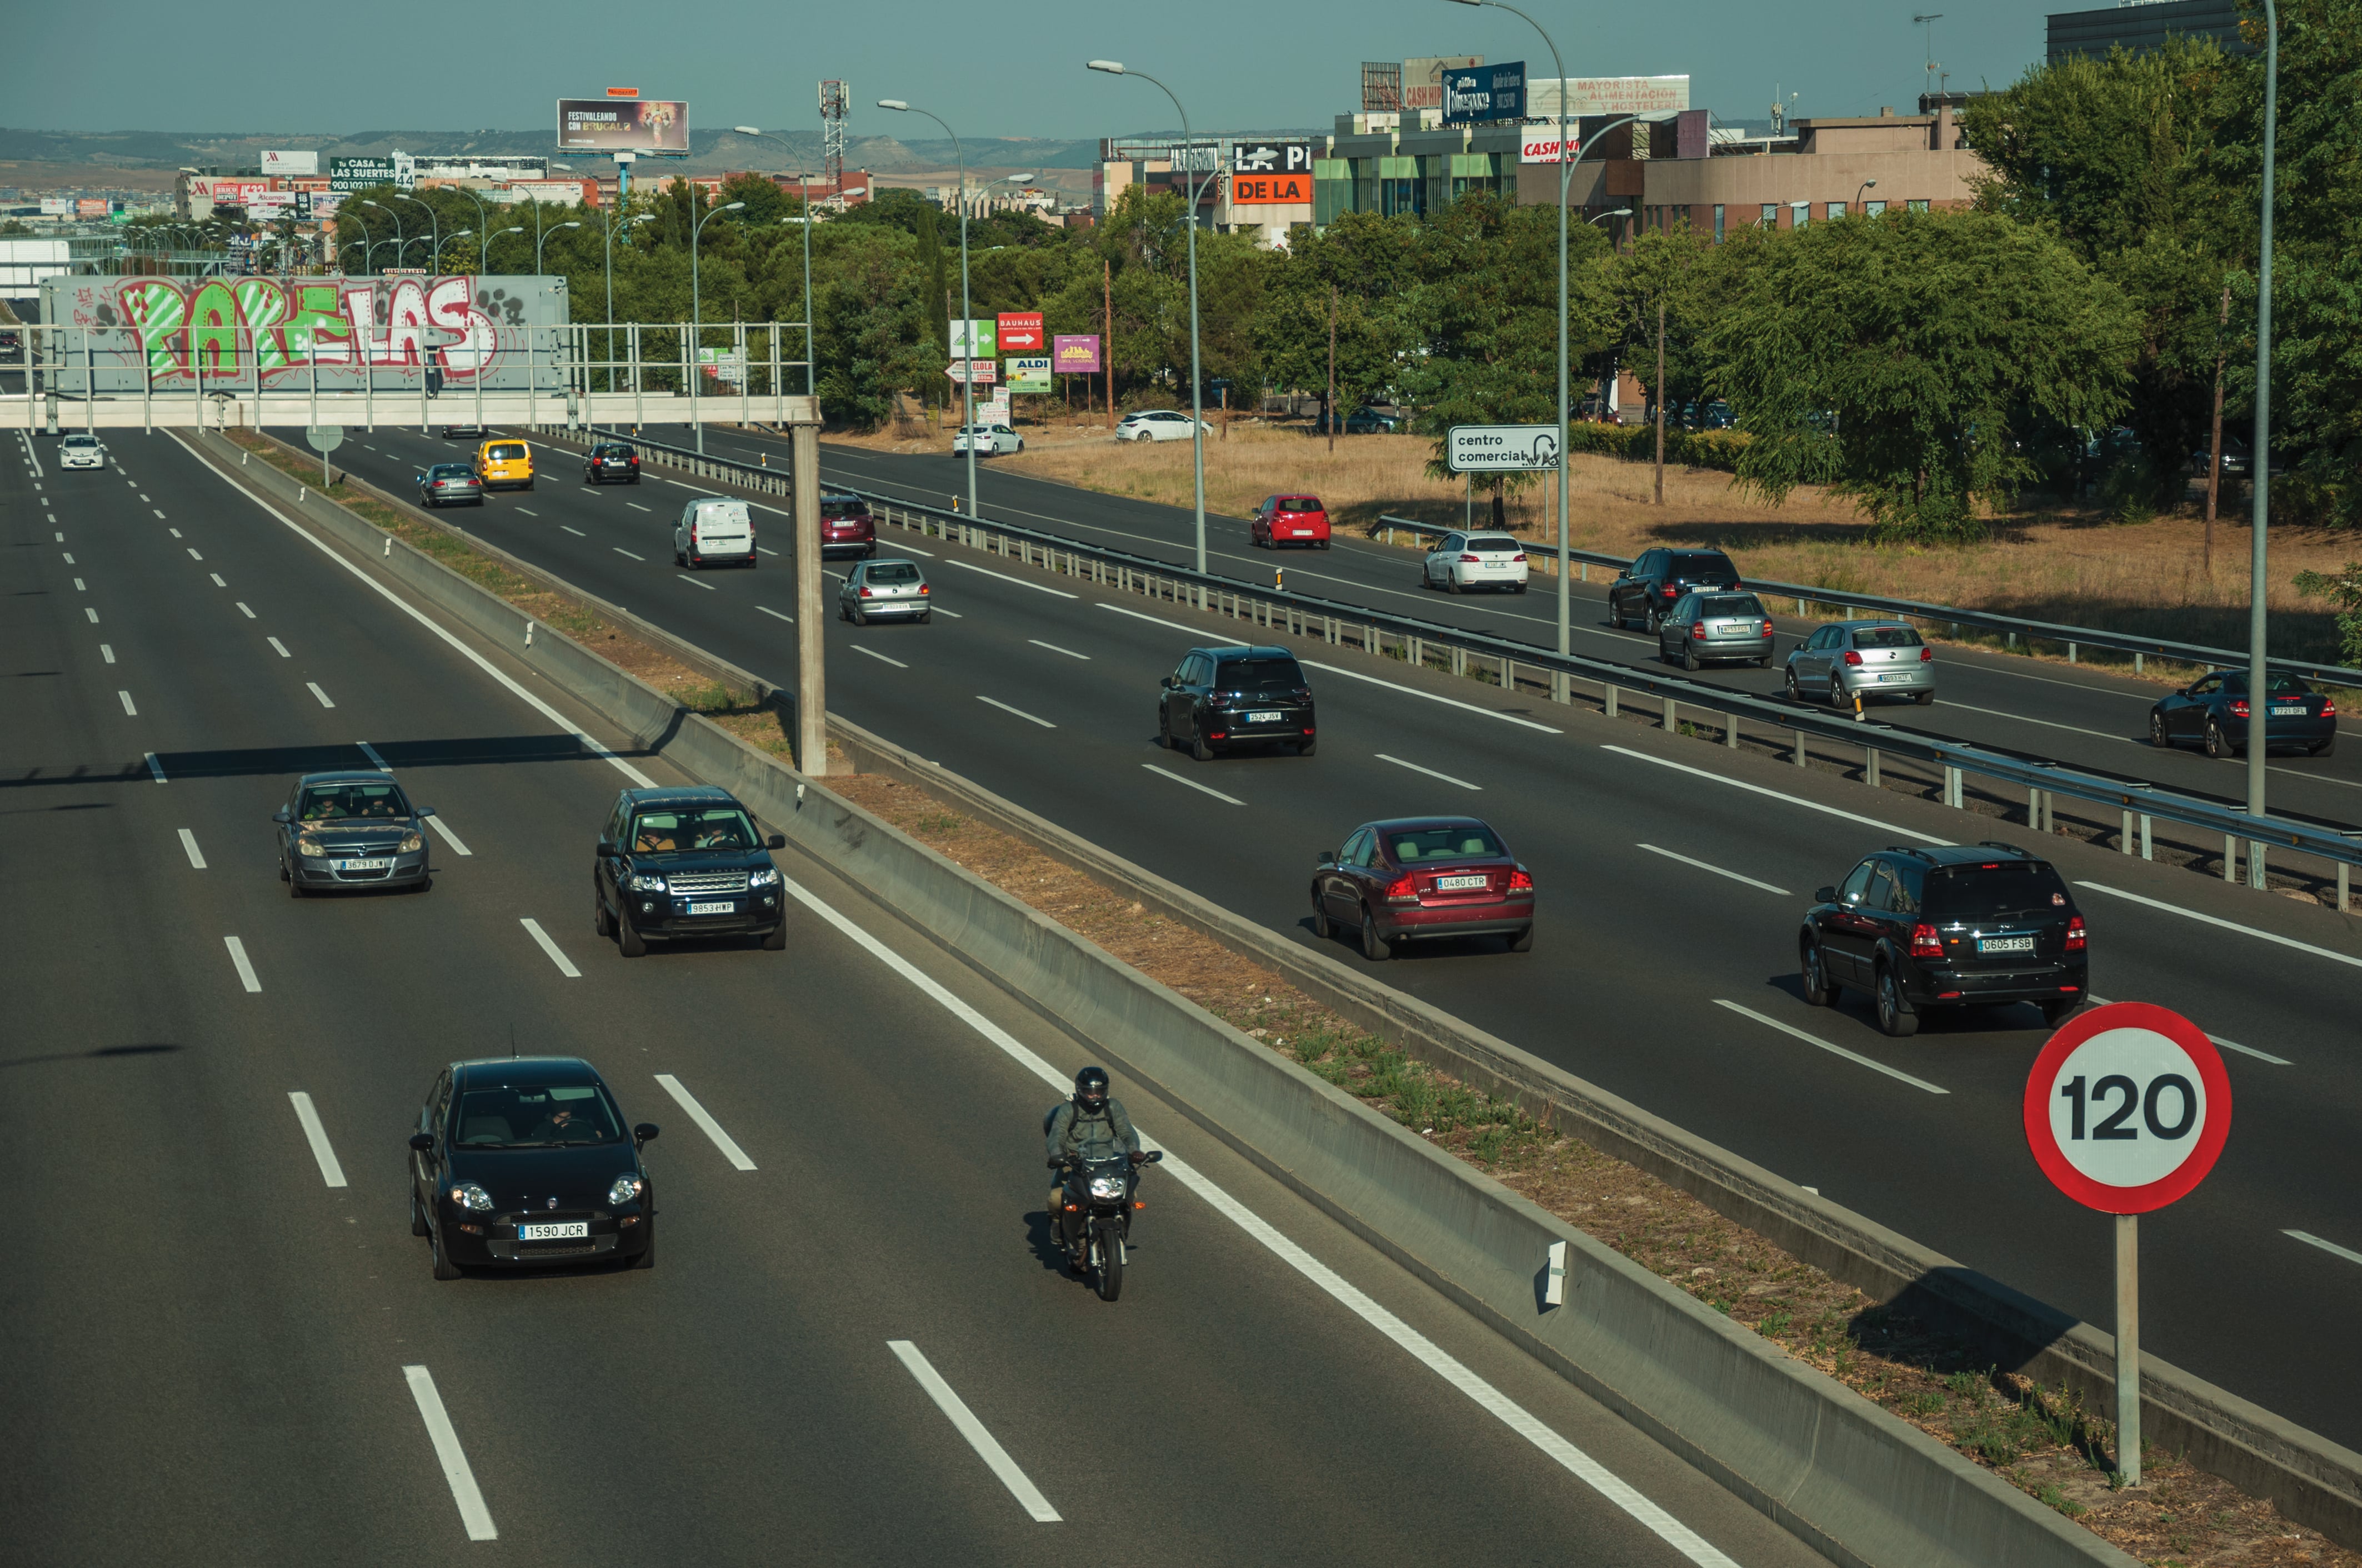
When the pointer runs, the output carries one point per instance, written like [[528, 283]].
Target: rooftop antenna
[[512, 1056], [1928, 19], [833, 96]]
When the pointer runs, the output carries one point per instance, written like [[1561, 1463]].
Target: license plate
[[362, 865], [2297, 713], [2006, 944], [1267, 716], [558, 1230], [1460, 884], [713, 909]]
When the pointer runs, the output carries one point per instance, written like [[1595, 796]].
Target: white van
[[713, 529]]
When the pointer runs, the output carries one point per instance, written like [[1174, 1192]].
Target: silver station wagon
[[885, 589]]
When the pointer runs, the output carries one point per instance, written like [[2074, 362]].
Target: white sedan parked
[[989, 440], [1156, 425], [81, 452], [1465, 562]]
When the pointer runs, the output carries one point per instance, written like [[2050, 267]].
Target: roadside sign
[[1020, 332], [1503, 448], [975, 338], [1029, 375], [2128, 1108], [983, 372], [325, 437]]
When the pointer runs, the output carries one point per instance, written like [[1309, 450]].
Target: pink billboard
[[1075, 355]]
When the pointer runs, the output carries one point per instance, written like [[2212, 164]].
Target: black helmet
[[1091, 1089]]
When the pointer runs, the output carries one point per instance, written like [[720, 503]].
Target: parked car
[[1644, 591], [714, 528], [682, 864], [1292, 519], [1965, 925], [449, 484], [1368, 421], [614, 460], [2213, 711], [989, 440], [1156, 425], [1715, 628], [82, 450], [1463, 563], [518, 1161], [350, 830], [504, 463], [889, 589], [846, 525], [1223, 698], [1845, 659], [1419, 879]]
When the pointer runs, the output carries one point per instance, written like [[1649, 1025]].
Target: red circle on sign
[[2042, 1086]]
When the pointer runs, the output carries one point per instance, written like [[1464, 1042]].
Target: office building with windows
[[2145, 25]]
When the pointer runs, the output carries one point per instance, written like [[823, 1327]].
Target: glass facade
[[1717, 223]]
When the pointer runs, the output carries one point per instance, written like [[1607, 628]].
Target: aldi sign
[[1029, 375]]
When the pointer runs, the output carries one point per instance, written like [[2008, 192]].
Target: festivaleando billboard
[[622, 124]]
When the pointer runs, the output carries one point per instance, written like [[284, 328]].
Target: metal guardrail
[[2075, 638], [1378, 632]]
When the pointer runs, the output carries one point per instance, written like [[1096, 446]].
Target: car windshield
[[1885, 637], [1495, 545], [1726, 604], [538, 1117], [330, 803], [1299, 503], [893, 572], [1455, 841], [505, 451], [691, 828], [1994, 887], [1258, 675], [612, 452], [82, 440], [1713, 564], [450, 471], [2282, 686], [843, 506]]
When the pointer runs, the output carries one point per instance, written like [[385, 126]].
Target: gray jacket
[[1070, 1132]]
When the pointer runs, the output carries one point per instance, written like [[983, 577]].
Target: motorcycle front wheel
[[1108, 1245]]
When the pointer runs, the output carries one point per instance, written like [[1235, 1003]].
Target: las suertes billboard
[[622, 124]]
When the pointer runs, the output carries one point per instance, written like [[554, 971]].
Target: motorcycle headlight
[[646, 884], [311, 847], [1106, 1186], [626, 1188], [468, 1195], [412, 844], [762, 878]]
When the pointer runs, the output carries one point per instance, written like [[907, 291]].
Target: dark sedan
[[449, 428], [2214, 713], [350, 830], [1715, 628], [611, 461], [685, 863], [1419, 879], [523, 1161], [1221, 698], [450, 484]]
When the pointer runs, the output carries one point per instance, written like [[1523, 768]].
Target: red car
[[1289, 520], [1420, 877], [846, 528]]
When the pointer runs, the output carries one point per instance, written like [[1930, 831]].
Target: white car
[[1465, 562], [81, 452], [1156, 425], [712, 528], [989, 440]]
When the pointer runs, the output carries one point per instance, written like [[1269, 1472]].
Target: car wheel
[[602, 923], [1306, 748], [777, 939], [1895, 1018], [1690, 660], [444, 1267], [424, 885], [1651, 625], [1820, 989], [1373, 947], [2055, 1013], [1838, 692], [1523, 942], [1164, 731], [417, 1215], [635, 478], [1199, 750], [2326, 748], [628, 941], [926, 617], [1514, 587], [648, 1257], [2157, 735], [1323, 927], [1924, 699], [295, 889], [860, 617], [1796, 691], [1324, 545], [2215, 745]]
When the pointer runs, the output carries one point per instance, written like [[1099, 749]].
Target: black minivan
[[1221, 698], [1967, 925], [681, 863]]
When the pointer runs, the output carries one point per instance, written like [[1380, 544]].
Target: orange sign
[[1270, 190], [623, 92]]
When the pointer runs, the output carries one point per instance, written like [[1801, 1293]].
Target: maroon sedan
[[846, 527], [1418, 877]]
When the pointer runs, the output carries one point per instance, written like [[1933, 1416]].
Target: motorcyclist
[[1091, 1118]]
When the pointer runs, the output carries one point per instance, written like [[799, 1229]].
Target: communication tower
[[832, 133]]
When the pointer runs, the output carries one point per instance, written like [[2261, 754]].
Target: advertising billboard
[[360, 173], [1608, 95], [1485, 93], [980, 332], [1422, 79], [1029, 374], [1075, 355], [1270, 173], [57, 206], [1541, 147], [279, 163], [1020, 332], [91, 207], [984, 372], [622, 124]]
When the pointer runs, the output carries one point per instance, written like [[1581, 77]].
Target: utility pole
[[1661, 402], [2259, 460], [2214, 450], [1106, 365], [1330, 406]]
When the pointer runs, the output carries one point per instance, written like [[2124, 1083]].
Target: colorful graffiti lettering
[[220, 327]]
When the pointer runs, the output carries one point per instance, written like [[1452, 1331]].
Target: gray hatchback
[[1713, 628], [885, 589], [1865, 660]]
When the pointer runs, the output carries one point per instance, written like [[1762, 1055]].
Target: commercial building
[[2145, 25]]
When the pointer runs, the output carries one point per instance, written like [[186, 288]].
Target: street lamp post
[[1197, 379], [643, 217], [2258, 668], [539, 236], [435, 227], [437, 265], [399, 243], [968, 366], [695, 313], [1865, 185], [803, 217]]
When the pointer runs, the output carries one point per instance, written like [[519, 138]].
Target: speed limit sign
[[2128, 1108]]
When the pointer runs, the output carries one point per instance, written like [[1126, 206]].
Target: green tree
[[1364, 265]]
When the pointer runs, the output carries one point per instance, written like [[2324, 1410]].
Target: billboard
[[1422, 79], [360, 173], [1075, 355], [91, 206], [1021, 332], [1031, 374], [622, 124], [1541, 147], [279, 163], [984, 372], [980, 331], [1485, 93], [1608, 95], [1270, 173], [57, 206]]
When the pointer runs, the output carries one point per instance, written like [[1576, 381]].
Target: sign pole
[[2128, 1432]]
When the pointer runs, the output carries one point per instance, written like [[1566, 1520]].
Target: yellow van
[[504, 463]]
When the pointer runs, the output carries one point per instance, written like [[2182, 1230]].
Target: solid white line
[[1201, 788], [915, 551], [964, 1421], [323, 696], [1778, 795], [189, 845], [873, 652], [375, 760], [1151, 619], [576, 532], [245, 966], [705, 1123], [454, 1459], [532, 929], [939, 610], [2310, 1240], [693, 582], [1056, 648], [155, 768], [766, 610], [275, 642], [620, 551], [766, 549], [317, 1136], [439, 825], [1414, 691], [127, 707], [243, 611], [2225, 1045], [1002, 706], [32, 456], [1036, 587], [2227, 925], [106, 652], [1430, 772], [1875, 1066], [1715, 870], [1500, 1406]]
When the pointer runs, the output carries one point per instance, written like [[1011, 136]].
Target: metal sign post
[[324, 439]]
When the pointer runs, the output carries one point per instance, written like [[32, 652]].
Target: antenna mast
[[1928, 19], [832, 96]]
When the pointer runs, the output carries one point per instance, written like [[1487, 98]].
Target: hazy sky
[[1008, 69]]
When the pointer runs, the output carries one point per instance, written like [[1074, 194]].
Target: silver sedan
[[885, 589], [1849, 659]]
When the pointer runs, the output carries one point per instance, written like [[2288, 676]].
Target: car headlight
[[468, 1195], [1106, 1186], [307, 845], [643, 883], [412, 843], [763, 877], [628, 1187]]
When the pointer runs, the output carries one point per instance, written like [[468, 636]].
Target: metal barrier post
[[1869, 767], [2146, 847], [2258, 872], [1801, 760], [2345, 878], [1669, 725], [1611, 694], [2124, 838], [2230, 857], [1952, 791], [1730, 730], [1559, 693]]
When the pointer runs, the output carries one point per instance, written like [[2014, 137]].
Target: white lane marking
[[766, 549], [1036, 587], [439, 825], [375, 760], [1494, 1403], [523, 513], [2046, 724], [245, 976], [192, 553], [68, 553], [92, 613], [532, 929], [1780, 795], [188, 847], [106, 652], [775, 614], [323, 696], [155, 768], [1201, 788], [576, 532], [2226, 1045], [1715, 870], [79, 588], [1815, 1039], [2226, 924], [987, 1448], [939, 610], [620, 551], [317, 1136], [32, 458], [243, 611], [453, 1458], [693, 582], [897, 663], [580, 736], [1430, 772], [1006, 709], [1056, 648], [129, 711], [2310, 1240], [637, 507], [217, 580], [1432, 697], [158, 511], [281, 646], [174, 532], [840, 577], [705, 1123], [143, 495], [1154, 620], [915, 551]]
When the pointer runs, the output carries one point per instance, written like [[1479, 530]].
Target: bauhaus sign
[[1271, 173], [1021, 332]]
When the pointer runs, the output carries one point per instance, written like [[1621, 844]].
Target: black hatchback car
[[611, 461], [350, 830], [519, 1162], [1647, 589], [1221, 698], [1973, 925], [684, 864], [2214, 712]]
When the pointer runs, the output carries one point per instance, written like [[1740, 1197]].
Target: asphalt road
[[217, 1331], [1672, 877]]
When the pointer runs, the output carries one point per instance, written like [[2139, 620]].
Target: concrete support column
[[812, 677]]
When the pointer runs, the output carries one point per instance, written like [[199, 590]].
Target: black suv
[[611, 460], [1650, 586], [1974, 925], [676, 863], [1217, 699]]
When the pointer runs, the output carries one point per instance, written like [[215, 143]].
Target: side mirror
[[423, 1141], [1153, 1157], [1326, 857], [1167, 682], [776, 841], [644, 1133], [281, 815], [425, 811], [2181, 691], [1825, 895], [606, 848]]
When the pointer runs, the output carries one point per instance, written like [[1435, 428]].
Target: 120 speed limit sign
[[2128, 1108]]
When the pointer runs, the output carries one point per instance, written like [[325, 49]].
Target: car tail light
[[2329, 707], [1852, 658], [1520, 882], [1668, 591], [922, 588], [1767, 628], [1468, 558], [2238, 707], [1403, 890], [2074, 933], [1925, 942], [1518, 559], [1697, 630], [865, 593], [1926, 655]]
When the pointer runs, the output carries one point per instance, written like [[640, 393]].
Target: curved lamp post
[[695, 313], [968, 389], [628, 223], [463, 234], [435, 229], [1865, 185], [400, 245], [804, 218], [1603, 218], [539, 236]]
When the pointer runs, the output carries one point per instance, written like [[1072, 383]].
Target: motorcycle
[[1098, 1209]]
